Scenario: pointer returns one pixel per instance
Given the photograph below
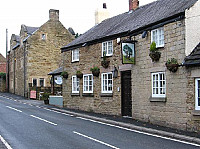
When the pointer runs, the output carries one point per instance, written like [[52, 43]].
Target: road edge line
[[5, 143]]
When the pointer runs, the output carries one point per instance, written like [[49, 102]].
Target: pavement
[[117, 120]]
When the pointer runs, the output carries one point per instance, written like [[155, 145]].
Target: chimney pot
[[104, 6], [53, 14], [133, 4]]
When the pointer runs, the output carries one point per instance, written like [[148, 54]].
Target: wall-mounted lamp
[[144, 34], [115, 72]]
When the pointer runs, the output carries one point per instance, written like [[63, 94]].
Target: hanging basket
[[172, 67], [155, 55], [105, 63], [79, 75], [96, 73]]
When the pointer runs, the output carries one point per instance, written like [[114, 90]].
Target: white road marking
[[44, 120], [101, 142], [136, 131], [13, 109], [5, 143]]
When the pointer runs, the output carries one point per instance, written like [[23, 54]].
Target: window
[[41, 82], [43, 37], [75, 84], [106, 82], [34, 82], [157, 35], [88, 83], [197, 94], [75, 55], [107, 47], [158, 84]]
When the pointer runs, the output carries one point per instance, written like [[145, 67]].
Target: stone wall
[[176, 112]]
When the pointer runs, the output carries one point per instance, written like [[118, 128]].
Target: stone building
[[35, 53], [133, 84]]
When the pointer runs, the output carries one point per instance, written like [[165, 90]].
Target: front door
[[126, 93]]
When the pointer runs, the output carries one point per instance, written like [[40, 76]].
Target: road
[[25, 126]]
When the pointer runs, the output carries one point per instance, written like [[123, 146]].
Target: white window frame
[[75, 55], [43, 37], [88, 81], [160, 86], [76, 81], [103, 81], [197, 107], [105, 47], [160, 37]]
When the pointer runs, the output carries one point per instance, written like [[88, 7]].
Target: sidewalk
[[119, 121]]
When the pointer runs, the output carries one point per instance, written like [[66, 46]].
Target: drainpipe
[[24, 69], [14, 70]]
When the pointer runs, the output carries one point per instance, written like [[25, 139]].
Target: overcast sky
[[78, 14]]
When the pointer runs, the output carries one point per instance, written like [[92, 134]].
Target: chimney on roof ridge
[[53, 14], [133, 4], [104, 6]]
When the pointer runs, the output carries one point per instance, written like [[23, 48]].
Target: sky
[[78, 14]]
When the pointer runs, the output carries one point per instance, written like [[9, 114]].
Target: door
[[126, 93]]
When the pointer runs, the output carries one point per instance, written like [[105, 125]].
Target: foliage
[[95, 69], [45, 96], [172, 61], [64, 74], [153, 46], [3, 75], [79, 72]]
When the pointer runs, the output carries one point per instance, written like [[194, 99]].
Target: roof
[[56, 72], [2, 59], [194, 58], [30, 31], [132, 21]]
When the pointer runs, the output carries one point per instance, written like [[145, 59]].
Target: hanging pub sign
[[58, 80], [128, 53]]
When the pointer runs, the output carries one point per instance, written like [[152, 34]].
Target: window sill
[[196, 112], [75, 61], [75, 94], [158, 48], [88, 94], [106, 94], [158, 99]]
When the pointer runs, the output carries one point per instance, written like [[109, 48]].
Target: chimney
[[53, 15], [133, 4], [101, 14], [104, 6]]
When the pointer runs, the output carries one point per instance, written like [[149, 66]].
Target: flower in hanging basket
[[172, 65], [154, 54], [64, 74], [79, 74], [95, 71]]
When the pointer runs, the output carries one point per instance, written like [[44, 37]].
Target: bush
[[95, 69], [45, 96], [3, 75]]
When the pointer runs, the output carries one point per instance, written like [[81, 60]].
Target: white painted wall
[[192, 23]]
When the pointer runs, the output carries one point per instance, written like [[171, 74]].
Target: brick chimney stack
[[133, 4], [53, 14]]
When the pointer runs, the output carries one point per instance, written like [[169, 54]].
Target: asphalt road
[[25, 126]]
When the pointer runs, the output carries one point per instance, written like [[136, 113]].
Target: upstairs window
[[107, 48], [197, 94], [157, 35], [75, 55], [43, 36], [158, 84], [75, 84], [88, 83], [106, 82]]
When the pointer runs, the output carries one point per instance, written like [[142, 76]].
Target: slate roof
[[56, 72], [128, 22], [194, 58], [30, 30]]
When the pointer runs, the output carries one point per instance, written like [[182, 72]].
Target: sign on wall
[[58, 80], [128, 53]]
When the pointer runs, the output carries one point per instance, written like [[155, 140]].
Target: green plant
[[45, 96], [79, 74], [64, 74], [3, 75], [105, 62], [95, 69], [172, 61], [153, 47]]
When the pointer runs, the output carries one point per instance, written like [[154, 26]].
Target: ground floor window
[[75, 84], [158, 84], [41, 82], [34, 82], [88, 83], [197, 94], [106, 82]]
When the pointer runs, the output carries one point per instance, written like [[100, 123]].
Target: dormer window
[[43, 36], [75, 55], [107, 48], [157, 35]]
